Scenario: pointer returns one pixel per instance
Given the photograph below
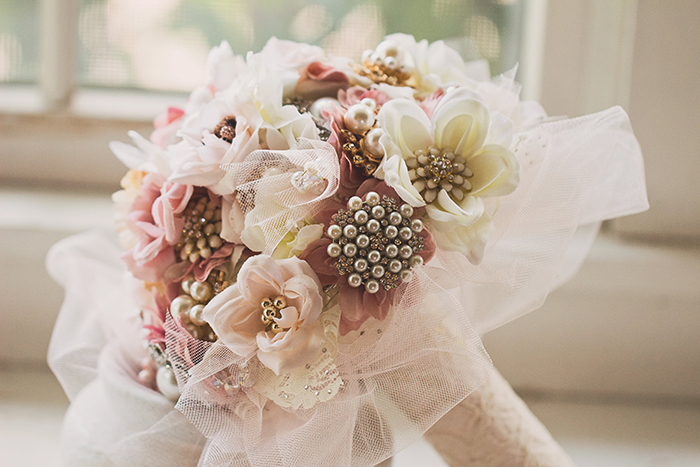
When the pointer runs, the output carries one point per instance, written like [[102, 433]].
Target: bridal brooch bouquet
[[311, 249]]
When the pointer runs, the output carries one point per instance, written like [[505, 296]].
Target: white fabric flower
[[474, 146]]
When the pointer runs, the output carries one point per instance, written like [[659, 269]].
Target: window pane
[[19, 41], [163, 44]]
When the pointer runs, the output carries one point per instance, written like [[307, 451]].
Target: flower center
[[200, 234], [436, 169], [270, 310], [226, 129], [375, 242]]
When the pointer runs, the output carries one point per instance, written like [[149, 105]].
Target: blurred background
[[611, 363]]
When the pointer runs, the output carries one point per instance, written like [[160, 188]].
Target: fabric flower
[[450, 163], [236, 314]]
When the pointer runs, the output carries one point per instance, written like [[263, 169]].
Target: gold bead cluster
[[380, 73], [439, 169], [355, 146], [271, 308], [200, 234], [226, 129]]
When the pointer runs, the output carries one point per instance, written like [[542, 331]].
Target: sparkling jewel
[[167, 383]]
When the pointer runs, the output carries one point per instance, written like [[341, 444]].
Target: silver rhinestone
[[334, 250], [372, 286], [395, 266], [378, 271], [354, 280], [361, 265], [395, 218], [391, 231], [334, 231], [374, 256], [350, 231], [373, 225], [405, 275], [330, 391], [391, 250], [317, 393], [415, 261], [372, 199], [350, 250], [417, 225], [406, 210], [361, 217], [405, 251], [355, 203], [405, 233], [378, 212], [362, 241], [306, 386]]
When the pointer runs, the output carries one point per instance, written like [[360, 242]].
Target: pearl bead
[[395, 218], [405, 251], [350, 249], [395, 266], [372, 198], [372, 286], [373, 226], [334, 231], [378, 212], [201, 291], [417, 225], [354, 280], [391, 231], [196, 315], [406, 275], [167, 383], [405, 233], [359, 118], [374, 256], [415, 261], [361, 217], [371, 142], [214, 241], [362, 241], [181, 305], [325, 103], [391, 250], [361, 265], [334, 250], [355, 203], [406, 210], [391, 63], [187, 283], [378, 271], [369, 102], [388, 48], [350, 231]]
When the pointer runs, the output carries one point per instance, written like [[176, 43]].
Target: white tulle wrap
[[399, 376]]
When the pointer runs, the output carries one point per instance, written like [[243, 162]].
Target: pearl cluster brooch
[[375, 242], [386, 64], [270, 311], [362, 136], [190, 305], [200, 235], [435, 169]]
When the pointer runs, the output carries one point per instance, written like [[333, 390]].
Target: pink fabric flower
[[355, 94], [236, 313], [319, 80], [167, 124], [357, 305], [154, 219]]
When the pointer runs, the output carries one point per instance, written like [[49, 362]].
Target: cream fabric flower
[[236, 314], [450, 163]]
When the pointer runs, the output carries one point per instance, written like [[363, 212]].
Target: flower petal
[[469, 240], [496, 171], [396, 176], [446, 214], [461, 122], [406, 124]]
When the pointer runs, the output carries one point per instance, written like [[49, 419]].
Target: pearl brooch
[[378, 251], [200, 234], [436, 169]]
